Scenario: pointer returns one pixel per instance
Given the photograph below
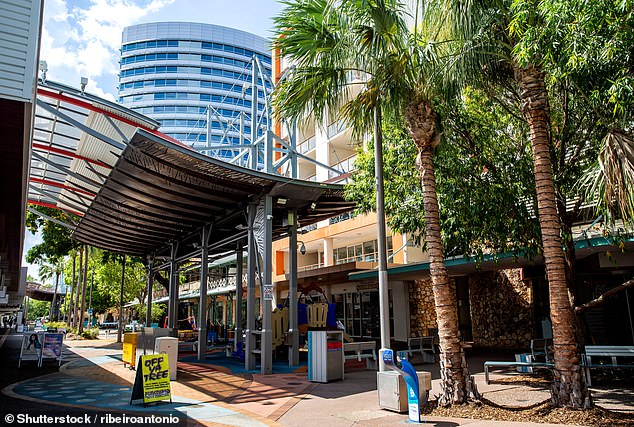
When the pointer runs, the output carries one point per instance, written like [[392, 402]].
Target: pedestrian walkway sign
[[152, 381]]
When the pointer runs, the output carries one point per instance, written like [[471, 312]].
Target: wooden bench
[[610, 352], [423, 345], [498, 365], [361, 350]]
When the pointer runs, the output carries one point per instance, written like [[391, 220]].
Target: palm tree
[[48, 268], [354, 59], [489, 46]]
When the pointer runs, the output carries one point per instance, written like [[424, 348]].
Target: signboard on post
[[268, 292], [52, 347], [152, 381]]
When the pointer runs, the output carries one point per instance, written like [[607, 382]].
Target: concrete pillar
[[328, 247]]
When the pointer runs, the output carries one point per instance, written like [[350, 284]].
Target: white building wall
[[19, 48]]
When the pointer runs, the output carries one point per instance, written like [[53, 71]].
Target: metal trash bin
[[129, 349], [325, 356], [168, 345]]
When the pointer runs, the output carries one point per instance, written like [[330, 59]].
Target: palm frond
[[611, 179]]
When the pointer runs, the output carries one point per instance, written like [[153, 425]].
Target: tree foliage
[[484, 180], [56, 239]]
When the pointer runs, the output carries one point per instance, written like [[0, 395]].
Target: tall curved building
[[185, 74]]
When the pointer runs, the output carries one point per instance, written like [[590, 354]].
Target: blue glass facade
[[174, 71]]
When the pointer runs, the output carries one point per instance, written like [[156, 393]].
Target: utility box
[[129, 349], [325, 356], [393, 390], [168, 345]]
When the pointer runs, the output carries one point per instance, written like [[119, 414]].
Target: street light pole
[[382, 240]]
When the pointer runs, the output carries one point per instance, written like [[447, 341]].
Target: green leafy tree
[[485, 186], [56, 239], [37, 309], [357, 58]]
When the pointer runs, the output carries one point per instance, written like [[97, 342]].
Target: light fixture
[[313, 205], [43, 69], [282, 201], [302, 248]]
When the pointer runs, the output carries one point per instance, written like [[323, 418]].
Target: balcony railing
[[336, 128], [307, 145]]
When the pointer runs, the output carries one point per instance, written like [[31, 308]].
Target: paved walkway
[[95, 378]]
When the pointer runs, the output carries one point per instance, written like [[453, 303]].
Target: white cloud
[[84, 41]]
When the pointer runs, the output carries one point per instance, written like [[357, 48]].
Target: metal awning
[[77, 139], [136, 191], [159, 191]]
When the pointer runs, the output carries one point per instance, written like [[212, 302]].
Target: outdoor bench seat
[[361, 350], [497, 365], [423, 345], [611, 352]]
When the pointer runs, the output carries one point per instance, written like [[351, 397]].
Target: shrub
[[90, 334]]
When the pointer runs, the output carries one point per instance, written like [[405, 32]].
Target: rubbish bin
[[168, 345], [129, 349], [325, 356], [393, 391]]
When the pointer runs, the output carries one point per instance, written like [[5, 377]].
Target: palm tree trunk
[[569, 387], [52, 311], [78, 291], [73, 287], [456, 382], [83, 293]]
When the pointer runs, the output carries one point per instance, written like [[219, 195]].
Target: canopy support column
[[238, 327], [150, 285], [120, 331], [172, 310], [249, 359], [293, 332], [202, 301], [267, 296]]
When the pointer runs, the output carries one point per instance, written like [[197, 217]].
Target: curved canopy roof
[[137, 191]]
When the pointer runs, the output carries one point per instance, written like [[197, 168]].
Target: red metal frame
[[69, 154], [59, 185], [52, 206], [74, 101]]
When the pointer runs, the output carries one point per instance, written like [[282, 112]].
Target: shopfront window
[[359, 312]]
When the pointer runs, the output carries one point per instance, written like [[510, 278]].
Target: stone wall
[[501, 309], [421, 308]]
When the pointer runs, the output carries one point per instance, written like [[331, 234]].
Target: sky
[[82, 38]]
